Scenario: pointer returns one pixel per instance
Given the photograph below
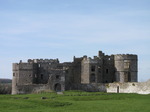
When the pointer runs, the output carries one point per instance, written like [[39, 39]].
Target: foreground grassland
[[75, 101]]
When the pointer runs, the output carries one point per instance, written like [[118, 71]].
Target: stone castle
[[84, 73]]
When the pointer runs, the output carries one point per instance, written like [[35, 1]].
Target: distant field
[[75, 101], [3, 81]]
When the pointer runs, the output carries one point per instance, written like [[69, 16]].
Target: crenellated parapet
[[43, 61]]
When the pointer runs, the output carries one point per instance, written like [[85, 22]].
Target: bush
[[5, 88]]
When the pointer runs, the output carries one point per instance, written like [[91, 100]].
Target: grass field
[[75, 101]]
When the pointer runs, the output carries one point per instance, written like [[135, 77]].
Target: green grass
[[75, 101]]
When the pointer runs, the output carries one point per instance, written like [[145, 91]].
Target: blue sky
[[31, 29]]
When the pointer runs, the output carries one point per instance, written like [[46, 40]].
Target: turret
[[126, 68], [15, 78]]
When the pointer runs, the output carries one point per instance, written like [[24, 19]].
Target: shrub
[[133, 84], [5, 88]]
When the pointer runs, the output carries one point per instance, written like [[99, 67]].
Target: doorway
[[117, 89], [57, 87]]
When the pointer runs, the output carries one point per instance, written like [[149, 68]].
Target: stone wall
[[108, 69], [75, 72], [93, 87], [32, 88], [130, 87]]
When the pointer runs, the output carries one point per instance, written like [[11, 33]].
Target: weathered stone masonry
[[85, 73]]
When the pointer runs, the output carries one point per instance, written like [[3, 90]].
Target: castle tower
[[23, 74], [126, 68], [15, 78], [91, 70]]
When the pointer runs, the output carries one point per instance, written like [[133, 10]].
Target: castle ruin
[[84, 73]]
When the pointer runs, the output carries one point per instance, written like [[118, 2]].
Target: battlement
[[21, 66], [125, 57], [43, 61], [90, 60], [101, 54], [77, 60]]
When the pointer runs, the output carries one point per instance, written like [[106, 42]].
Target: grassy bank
[[75, 102]]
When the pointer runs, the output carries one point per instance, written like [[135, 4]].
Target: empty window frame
[[99, 69], [57, 77], [93, 68], [92, 78], [107, 71], [129, 77], [41, 76]]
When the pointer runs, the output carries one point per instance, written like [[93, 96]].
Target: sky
[[50, 29]]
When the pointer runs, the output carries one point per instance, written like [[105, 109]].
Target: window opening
[[57, 77], [107, 71], [92, 78], [129, 77], [93, 68], [41, 76]]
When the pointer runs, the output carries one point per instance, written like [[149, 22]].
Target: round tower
[[15, 78], [126, 67]]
